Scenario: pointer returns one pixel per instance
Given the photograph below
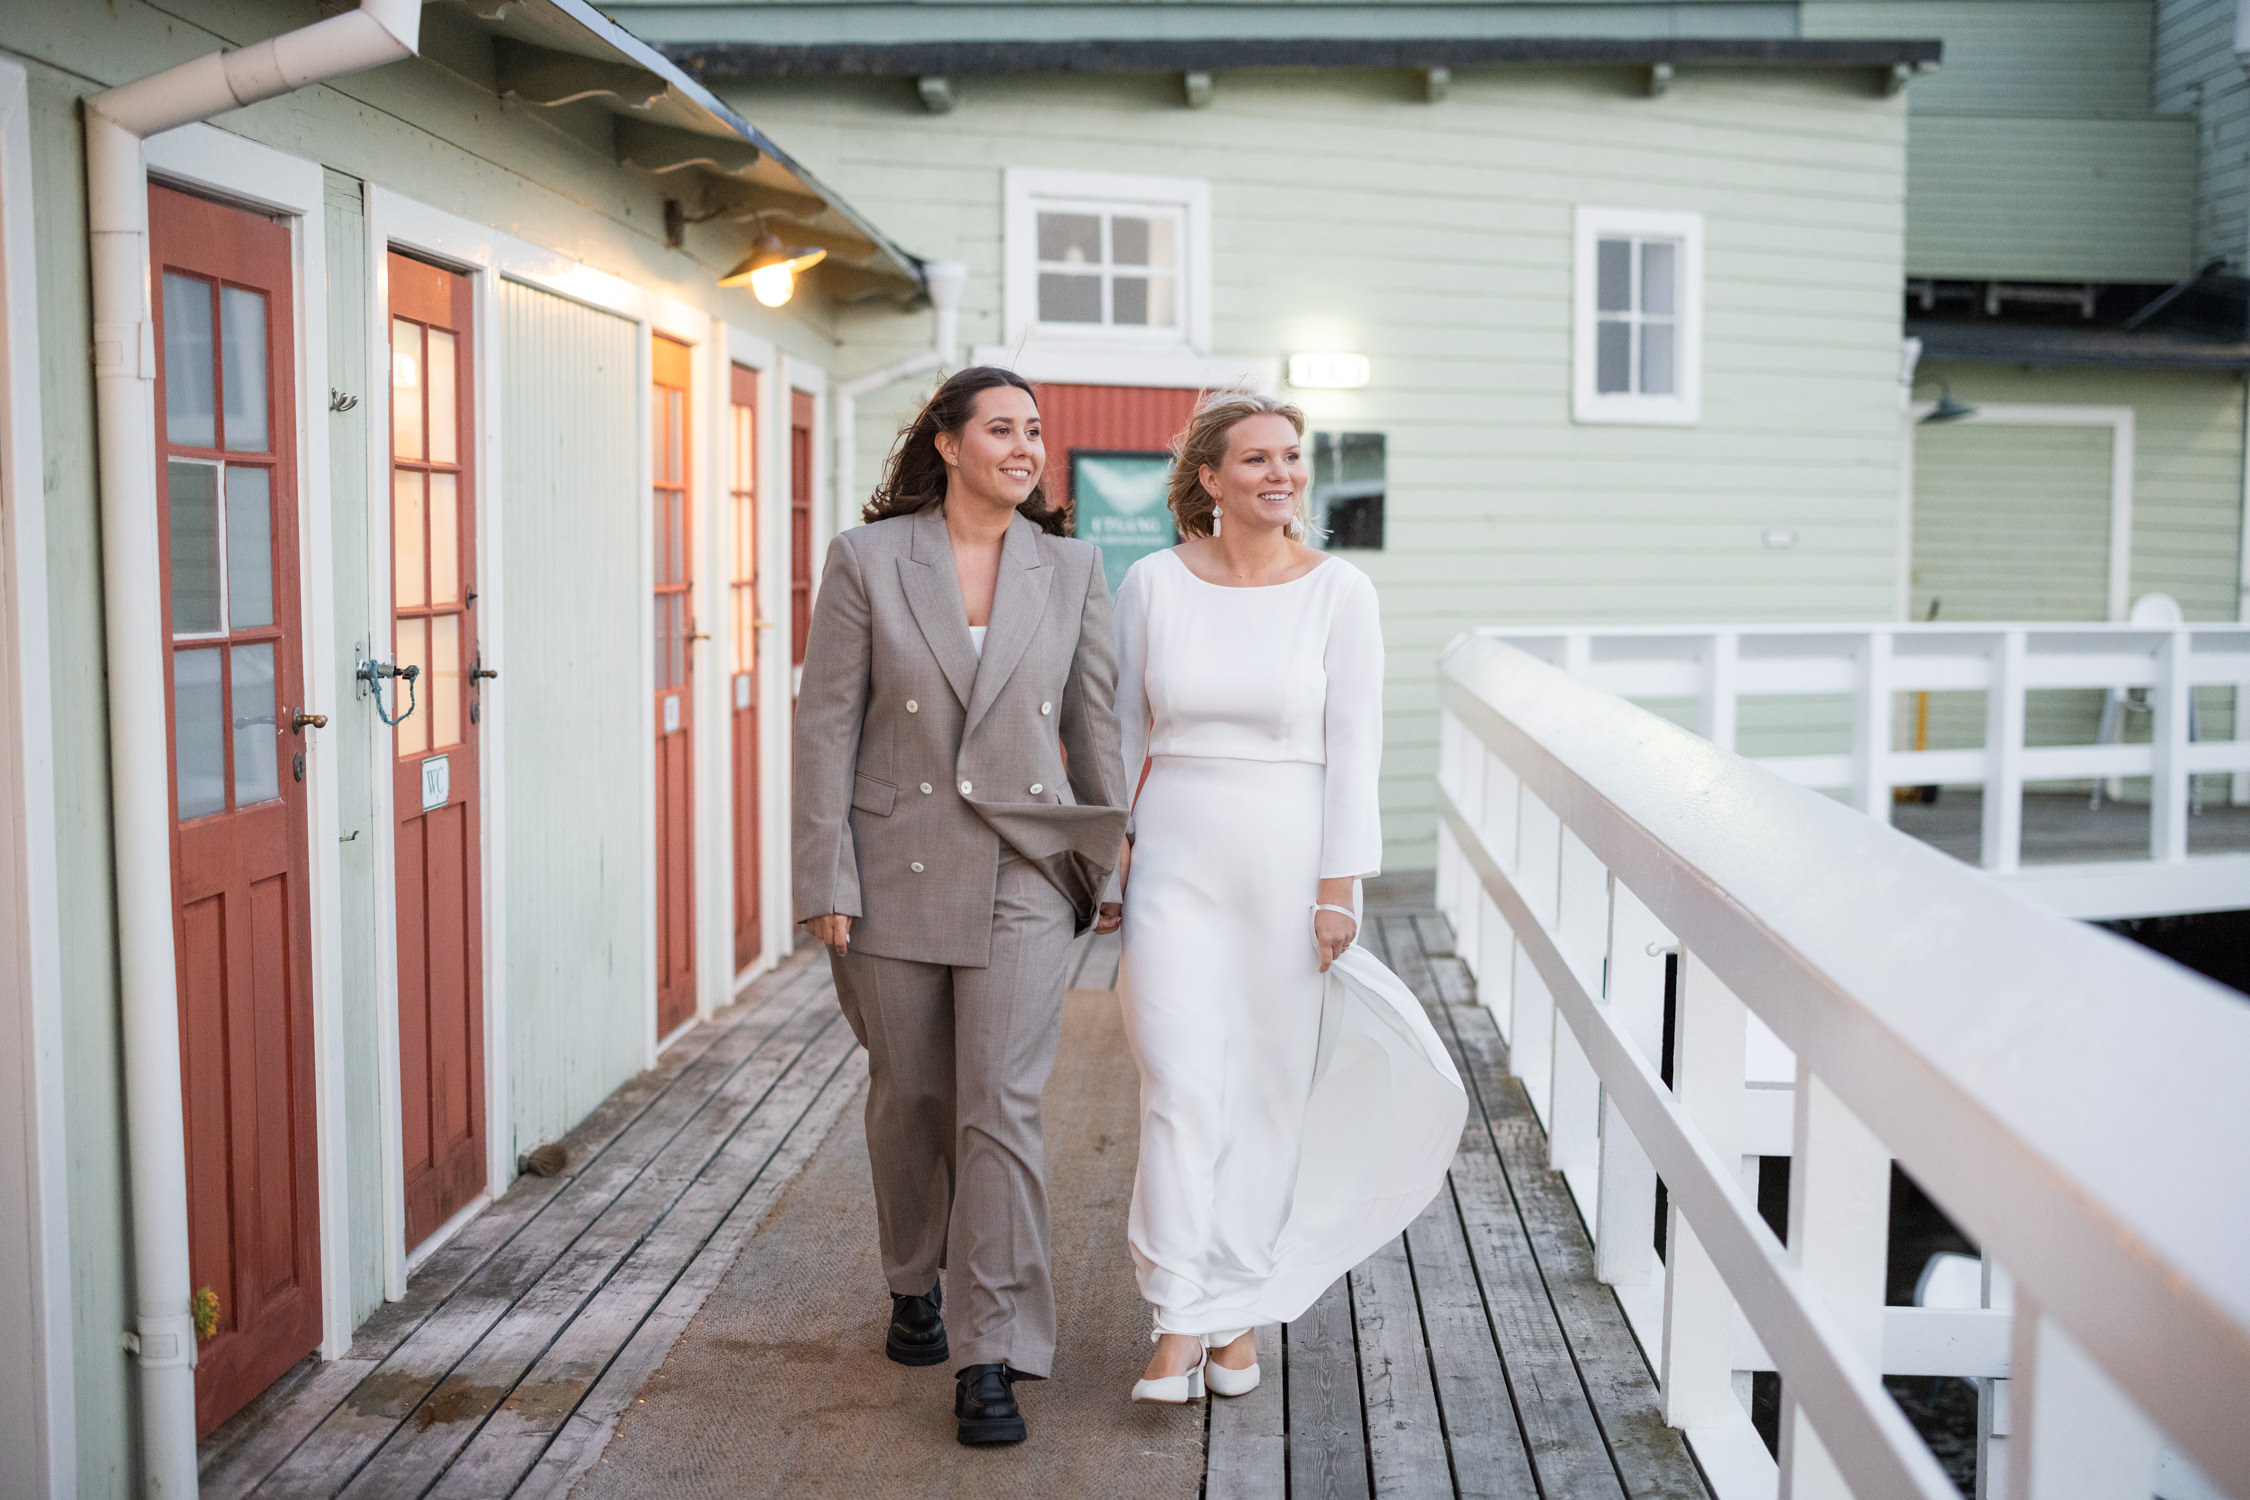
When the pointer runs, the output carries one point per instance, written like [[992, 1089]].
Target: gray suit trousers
[[957, 1060]]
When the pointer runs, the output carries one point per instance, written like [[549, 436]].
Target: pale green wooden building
[[1608, 310]]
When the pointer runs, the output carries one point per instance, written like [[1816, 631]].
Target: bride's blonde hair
[[1203, 444]]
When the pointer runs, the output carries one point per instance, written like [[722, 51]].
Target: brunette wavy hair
[[1203, 444], [914, 476]]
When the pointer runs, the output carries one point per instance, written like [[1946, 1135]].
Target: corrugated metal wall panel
[[578, 809], [1106, 416], [2005, 198]]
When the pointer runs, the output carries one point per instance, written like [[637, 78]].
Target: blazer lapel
[[934, 594], [1018, 603]]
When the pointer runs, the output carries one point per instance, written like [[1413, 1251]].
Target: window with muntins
[[1638, 317], [1107, 258]]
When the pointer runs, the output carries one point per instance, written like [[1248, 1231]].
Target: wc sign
[[437, 781]]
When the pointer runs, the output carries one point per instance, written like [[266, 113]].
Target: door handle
[[699, 635], [484, 672], [301, 721]]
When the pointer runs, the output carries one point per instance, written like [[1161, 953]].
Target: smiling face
[[1261, 482], [997, 456]]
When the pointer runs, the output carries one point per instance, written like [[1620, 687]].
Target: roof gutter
[[118, 121]]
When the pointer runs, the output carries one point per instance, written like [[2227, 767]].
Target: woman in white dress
[[1297, 1109]]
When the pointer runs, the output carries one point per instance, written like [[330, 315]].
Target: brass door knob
[[302, 721], [483, 672]]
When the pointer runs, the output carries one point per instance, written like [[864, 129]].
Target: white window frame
[[1684, 407], [1028, 189]]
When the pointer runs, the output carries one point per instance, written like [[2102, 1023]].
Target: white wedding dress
[[1291, 1122]]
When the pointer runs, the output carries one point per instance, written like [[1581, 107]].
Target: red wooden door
[[675, 699], [1116, 418], [800, 523], [435, 785], [226, 430], [742, 609]]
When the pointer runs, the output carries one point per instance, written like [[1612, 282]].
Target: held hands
[[834, 931], [1113, 912]]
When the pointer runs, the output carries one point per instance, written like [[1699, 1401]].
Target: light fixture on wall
[[1949, 407], [772, 268], [1329, 371]]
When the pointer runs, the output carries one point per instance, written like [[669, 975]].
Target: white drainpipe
[[944, 278], [117, 122]]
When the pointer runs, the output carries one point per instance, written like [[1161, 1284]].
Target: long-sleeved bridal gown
[[1291, 1122]]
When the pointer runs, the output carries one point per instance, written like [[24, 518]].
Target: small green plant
[[204, 1307]]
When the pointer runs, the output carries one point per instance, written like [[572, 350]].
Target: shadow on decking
[[1474, 1356]]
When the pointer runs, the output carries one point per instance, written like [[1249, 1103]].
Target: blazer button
[[1036, 789], [925, 789], [916, 867], [912, 707], [966, 789], [1046, 708]]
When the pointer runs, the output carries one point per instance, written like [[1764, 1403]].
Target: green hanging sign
[[1117, 503]]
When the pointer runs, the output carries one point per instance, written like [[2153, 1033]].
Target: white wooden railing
[[1844, 996], [1718, 667]]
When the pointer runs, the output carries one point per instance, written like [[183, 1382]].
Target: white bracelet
[[1341, 911]]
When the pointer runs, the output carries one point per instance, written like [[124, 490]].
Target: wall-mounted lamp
[[1329, 372], [1949, 407], [771, 271]]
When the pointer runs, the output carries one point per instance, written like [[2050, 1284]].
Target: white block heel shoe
[[1172, 1390], [1226, 1382]]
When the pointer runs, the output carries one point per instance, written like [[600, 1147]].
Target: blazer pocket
[[872, 796]]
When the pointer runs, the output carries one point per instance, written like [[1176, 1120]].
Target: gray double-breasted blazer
[[916, 760]]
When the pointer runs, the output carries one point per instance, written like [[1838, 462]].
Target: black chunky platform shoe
[[917, 1335], [984, 1398]]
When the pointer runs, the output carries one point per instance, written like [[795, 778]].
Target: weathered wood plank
[[519, 1428], [589, 1428], [1560, 1433], [258, 1454], [1651, 1458], [1451, 976], [1405, 1438], [473, 1382], [1436, 933], [1489, 1461], [352, 1432], [1247, 1453], [1327, 1438], [1407, 959]]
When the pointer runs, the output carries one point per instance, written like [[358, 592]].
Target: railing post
[[2074, 1434], [1718, 711], [1574, 1122], [1709, 1028], [1538, 875], [2168, 742], [2002, 850], [1999, 1294], [1839, 1233], [1872, 727], [1625, 1221]]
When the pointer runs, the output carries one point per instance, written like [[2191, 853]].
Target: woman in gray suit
[[959, 799]]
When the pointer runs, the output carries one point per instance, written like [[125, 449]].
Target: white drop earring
[[1215, 514]]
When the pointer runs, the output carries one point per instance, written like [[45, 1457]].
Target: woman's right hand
[[1112, 914], [833, 930]]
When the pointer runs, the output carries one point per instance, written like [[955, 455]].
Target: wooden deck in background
[[1475, 1356]]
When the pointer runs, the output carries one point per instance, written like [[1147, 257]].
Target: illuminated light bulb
[[774, 284]]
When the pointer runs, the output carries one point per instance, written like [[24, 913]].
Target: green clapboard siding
[[1347, 213], [2001, 197], [2033, 57], [572, 710], [2196, 73], [2011, 523]]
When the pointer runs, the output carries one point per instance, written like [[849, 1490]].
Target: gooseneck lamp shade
[[771, 271], [1949, 407]]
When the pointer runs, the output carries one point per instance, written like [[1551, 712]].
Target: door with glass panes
[[670, 367], [436, 780], [226, 471]]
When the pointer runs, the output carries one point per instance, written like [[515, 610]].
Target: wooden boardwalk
[[1474, 1356]]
